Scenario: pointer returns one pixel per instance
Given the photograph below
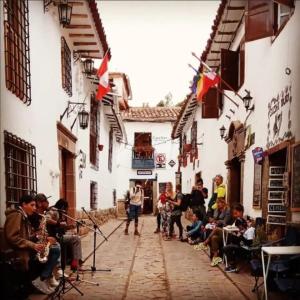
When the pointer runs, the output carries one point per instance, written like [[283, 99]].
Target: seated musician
[[59, 226], [17, 231], [42, 206]]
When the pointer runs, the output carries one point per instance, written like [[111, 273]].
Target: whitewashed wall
[[265, 61], [160, 132], [37, 123]]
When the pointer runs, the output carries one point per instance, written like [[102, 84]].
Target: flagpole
[[210, 69], [221, 91]]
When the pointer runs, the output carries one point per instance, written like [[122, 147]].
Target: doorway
[[234, 191]]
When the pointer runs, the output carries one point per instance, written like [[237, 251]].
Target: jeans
[[158, 220], [177, 220], [53, 258], [134, 211], [75, 242], [195, 235]]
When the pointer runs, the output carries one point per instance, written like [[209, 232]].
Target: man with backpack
[[198, 194]]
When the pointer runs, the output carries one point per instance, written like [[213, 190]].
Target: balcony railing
[[143, 157]]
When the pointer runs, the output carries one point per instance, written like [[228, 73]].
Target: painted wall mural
[[279, 118]]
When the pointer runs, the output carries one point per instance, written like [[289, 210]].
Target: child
[[193, 231], [249, 233], [209, 227]]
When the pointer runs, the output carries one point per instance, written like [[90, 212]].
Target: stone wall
[[101, 216]]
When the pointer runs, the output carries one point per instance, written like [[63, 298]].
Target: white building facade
[[255, 47], [43, 147], [150, 155]]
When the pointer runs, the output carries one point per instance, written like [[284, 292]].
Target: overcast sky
[[151, 42]]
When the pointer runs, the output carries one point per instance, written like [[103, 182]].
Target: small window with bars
[[114, 197], [20, 168], [94, 132], [16, 49], [66, 69], [93, 195]]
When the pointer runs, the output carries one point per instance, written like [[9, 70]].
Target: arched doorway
[[235, 162]]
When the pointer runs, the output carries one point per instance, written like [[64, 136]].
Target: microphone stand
[[80, 223], [96, 231]]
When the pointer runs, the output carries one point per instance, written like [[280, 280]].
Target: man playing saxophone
[[18, 235]]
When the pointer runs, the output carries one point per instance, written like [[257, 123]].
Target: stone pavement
[[147, 267]]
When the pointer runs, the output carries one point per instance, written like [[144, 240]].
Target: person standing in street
[[219, 192], [161, 202], [198, 195], [135, 206], [176, 212]]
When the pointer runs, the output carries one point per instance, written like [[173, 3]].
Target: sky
[[152, 41]]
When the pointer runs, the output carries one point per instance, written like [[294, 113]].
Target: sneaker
[[126, 232], [136, 233], [202, 246], [60, 274], [215, 261], [157, 230], [42, 286], [53, 282], [231, 269]]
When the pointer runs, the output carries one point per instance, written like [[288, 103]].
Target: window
[[66, 70], [212, 101], [94, 132], [93, 195], [282, 13], [266, 18], [16, 48], [233, 67], [20, 168], [114, 197], [110, 150]]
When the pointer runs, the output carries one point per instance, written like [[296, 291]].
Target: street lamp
[[83, 117], [247, 101], [222, 132], [64, 12], [88, 65]]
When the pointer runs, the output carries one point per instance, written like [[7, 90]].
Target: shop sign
[[279, 118], [276, 208], [276, 196], [144, 172], [160, 160], [276, 219], [258, 155]]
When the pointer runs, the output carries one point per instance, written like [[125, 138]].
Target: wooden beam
[[213, 59], [83, 35], [75, 3], [80, 26], [235, 7], [84, 43], [91, 56], [79, 16], [222, 42], [87, 51], [226, 32], [215, 51], [230, 21]]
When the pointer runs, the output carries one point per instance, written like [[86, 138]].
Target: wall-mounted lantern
[[83, 115], [64, 12], [88, 66], [222, 132], [247, 101]]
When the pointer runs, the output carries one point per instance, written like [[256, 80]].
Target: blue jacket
[[195, 227]]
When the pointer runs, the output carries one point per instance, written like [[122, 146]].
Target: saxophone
[[43, 255]]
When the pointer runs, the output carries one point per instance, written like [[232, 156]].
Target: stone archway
[[235, 162]]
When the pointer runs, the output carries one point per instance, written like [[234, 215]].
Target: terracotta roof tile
[[151, 114]]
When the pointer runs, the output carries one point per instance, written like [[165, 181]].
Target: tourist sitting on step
[[215, 239], [193, 233]]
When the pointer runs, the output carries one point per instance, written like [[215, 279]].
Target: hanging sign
[[258, 155], [172, 163], [144, 172], [160, 160]]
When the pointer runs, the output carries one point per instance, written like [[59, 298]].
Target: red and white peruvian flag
[[102, 73]]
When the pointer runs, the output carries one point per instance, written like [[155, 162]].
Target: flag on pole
[[206, 81], [102, 74]]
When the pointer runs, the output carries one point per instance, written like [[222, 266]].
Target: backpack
[[185, 202]]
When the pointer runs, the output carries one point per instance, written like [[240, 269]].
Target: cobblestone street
[[147, 267]]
